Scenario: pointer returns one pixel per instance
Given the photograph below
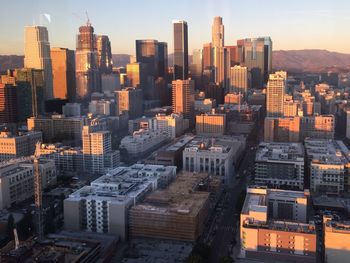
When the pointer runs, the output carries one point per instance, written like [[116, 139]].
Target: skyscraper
[[8, 103], [196, 68], [275, 94], [180, 50], [130, 100], [162, 59], [137, 75], [87, 72], [207, 56], [147, 53], [37, 54], [218, 32], [183, 98], [239, 79], [63, 73], [256, 54], [104, 54]]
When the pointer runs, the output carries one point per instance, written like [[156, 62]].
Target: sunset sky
[[297, 24]]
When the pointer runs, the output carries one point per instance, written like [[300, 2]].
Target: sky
[[292, 24]]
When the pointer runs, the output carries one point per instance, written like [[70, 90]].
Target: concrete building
[[178, 212], [276, 88], [143, 142], [204, 105], [37, 54], [63, 73], [8, 104], [274, 224], [239, 79], [103, 205], [282, 129], [173, 125], [102, 107], [23, 144], [329, 163], [280, 165], [58, 127], [211, 124], [317, 127], [183, 98], [336, 241], [71, 110], [216, 156], [97, 150], [17, 180], [130, 100]]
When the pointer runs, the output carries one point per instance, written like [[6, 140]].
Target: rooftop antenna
[[88, 19]]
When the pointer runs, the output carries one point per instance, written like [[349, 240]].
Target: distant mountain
[[10, 62], [310, 60]]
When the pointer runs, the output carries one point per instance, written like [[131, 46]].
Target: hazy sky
[[292, 24]]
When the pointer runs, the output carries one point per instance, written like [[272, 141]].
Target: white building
[[280, 165], [142, 142], [37, 54], [103, 206], [216, 156], [17, 180], [328, 161], [172, 125]]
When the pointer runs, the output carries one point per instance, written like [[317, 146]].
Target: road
[[226, 224]]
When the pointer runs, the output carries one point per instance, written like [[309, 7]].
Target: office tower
[[63, 73], [86, 64], [130, 100], [14, 146], [30, 92], [233, 55], [180, 50], [137, 75], [218, 32], [104, 54], [147, 53], [110, 82], [214, 91], [207, 56], [97, 149], [37, 55], [275, 94], [256, 54], [8, 103], [183, 98], [221, 60], [239, 79], [196, 68], [162, 59]]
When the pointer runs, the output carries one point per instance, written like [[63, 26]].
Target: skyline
[[315, 25]]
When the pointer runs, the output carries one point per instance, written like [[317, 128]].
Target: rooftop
[[284, 152]]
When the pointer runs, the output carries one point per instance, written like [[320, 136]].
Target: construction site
[[178, 212]]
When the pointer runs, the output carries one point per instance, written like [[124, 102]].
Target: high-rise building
[[239, 79], [317, 127], [256, 54], [196, 68], [218, 32], [162, 59], [130, 100], [207, 56], [147, 53], [183, 98], [276, 87], [97, 149], [37, 54], [104, 54], [8, 103], [180, 50], [86, 63], [282, 129], [137, 75], [63, 73]]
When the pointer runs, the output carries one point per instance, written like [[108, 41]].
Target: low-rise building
[[274, 224], [280, 165], [23, 144], [329, 163], [216, 156], [103, 205], [17, 180]]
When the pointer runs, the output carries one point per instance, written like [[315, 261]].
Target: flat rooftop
[[280, 152], [181, 142]]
